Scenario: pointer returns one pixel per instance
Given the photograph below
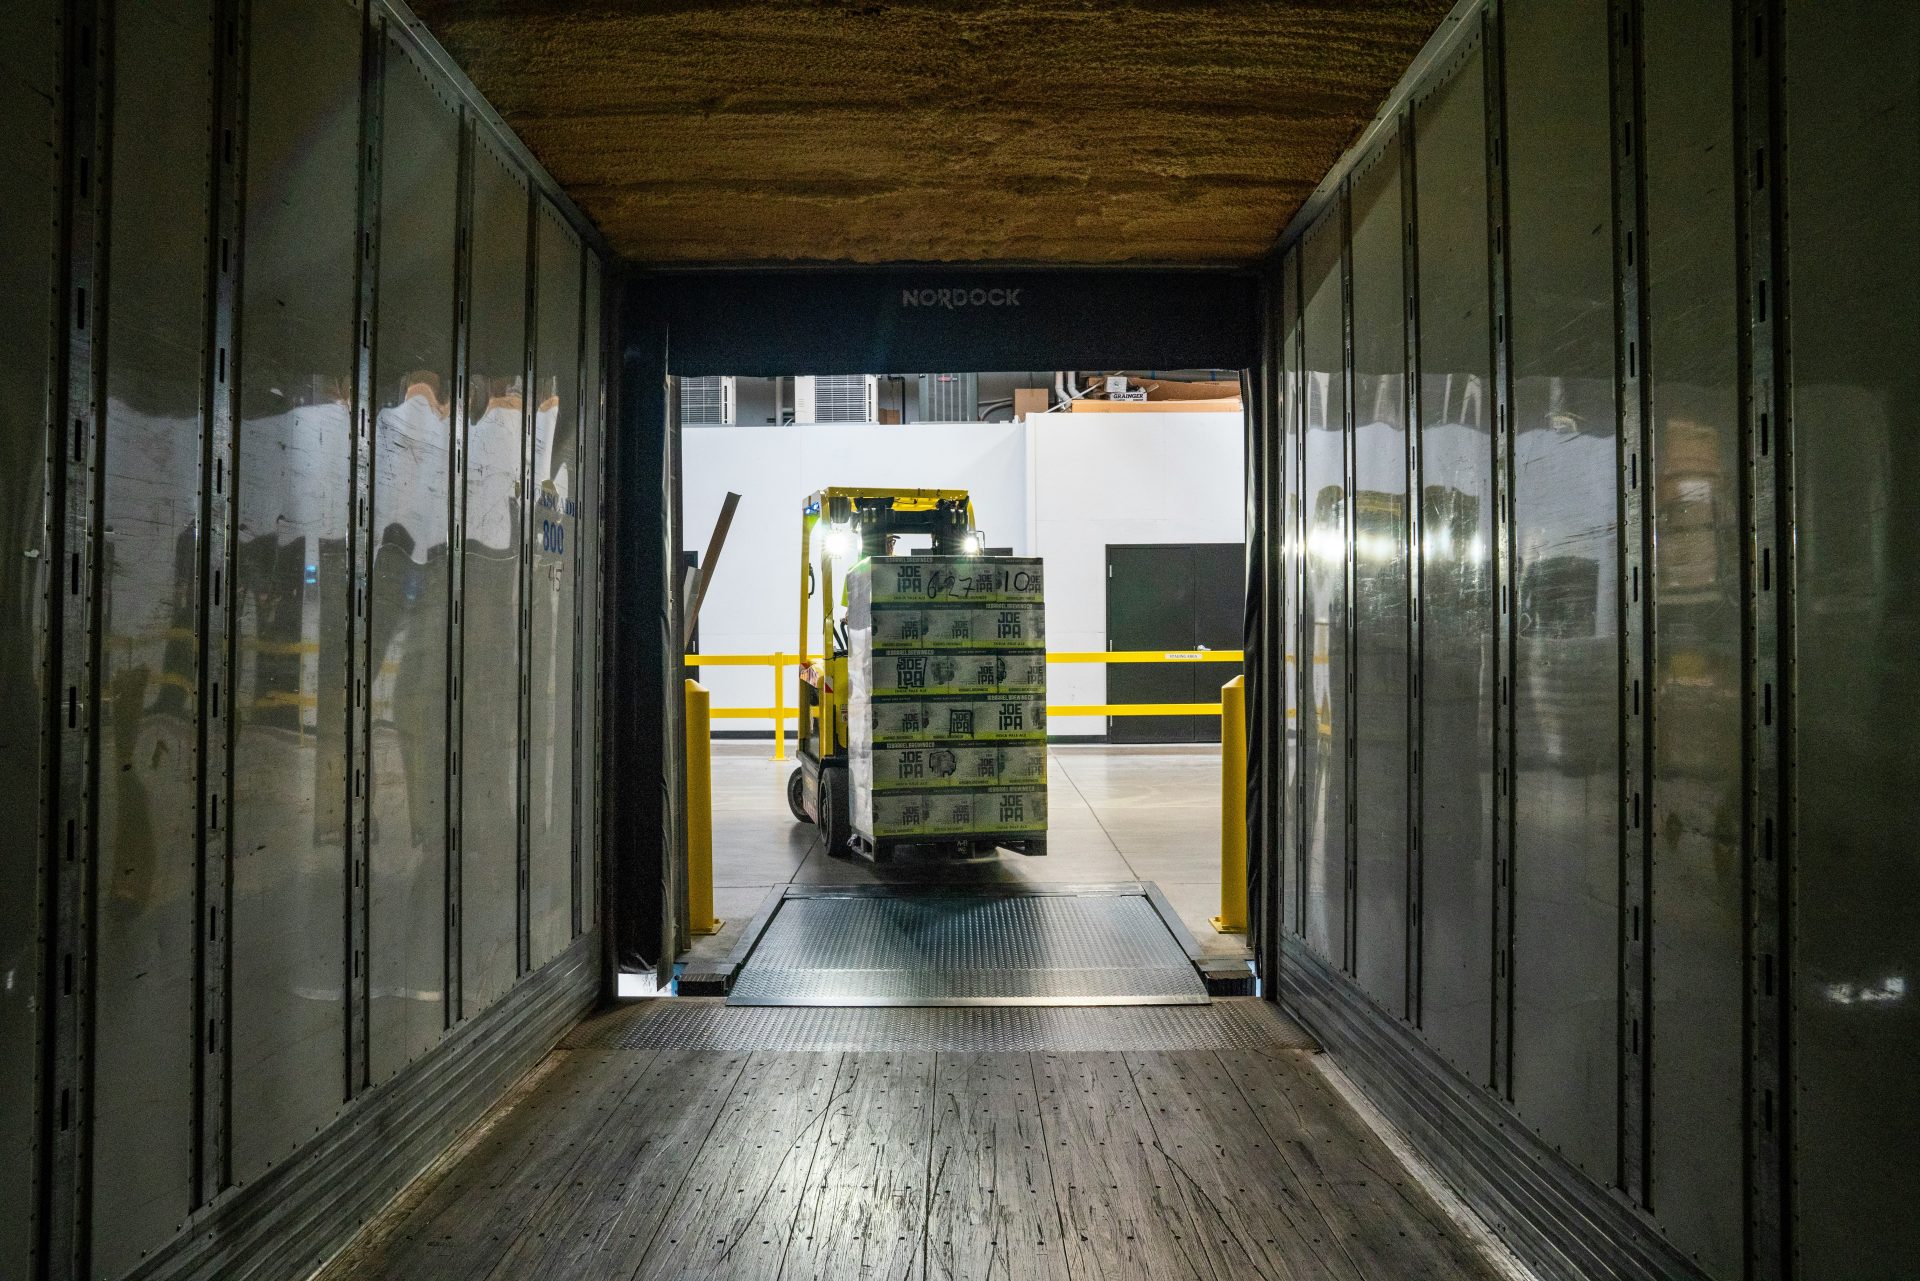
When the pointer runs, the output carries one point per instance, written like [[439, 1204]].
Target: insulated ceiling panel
[[922, 130]]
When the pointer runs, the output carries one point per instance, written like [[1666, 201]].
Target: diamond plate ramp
[[960, 949]]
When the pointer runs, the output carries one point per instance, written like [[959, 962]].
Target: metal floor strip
[[959, 949], [709, 1024]]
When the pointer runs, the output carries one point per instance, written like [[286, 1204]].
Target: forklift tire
[[836, 821], [796, 792]]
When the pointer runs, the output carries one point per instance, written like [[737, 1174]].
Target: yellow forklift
[[853, 525]]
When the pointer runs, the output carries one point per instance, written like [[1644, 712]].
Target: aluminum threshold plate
[[707, 1024], [963, 949]]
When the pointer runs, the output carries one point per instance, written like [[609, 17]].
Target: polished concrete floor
[[1116, 813]]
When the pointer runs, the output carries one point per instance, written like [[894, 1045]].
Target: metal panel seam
[[1349, 466], [579, 587], [1768, 571], [596, 513], [1299, 416], [462, 410], [1410, 274], [219, 478], [73, 572], [1499, 310], [1635, 587], [523, 757], [359, 632]]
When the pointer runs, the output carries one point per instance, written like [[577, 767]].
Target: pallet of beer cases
[[947, 706]]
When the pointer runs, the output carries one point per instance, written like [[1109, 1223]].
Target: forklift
[[858, 523]]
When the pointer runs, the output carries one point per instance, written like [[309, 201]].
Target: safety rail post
[[700, 811], [779, 707], [1233, 808]]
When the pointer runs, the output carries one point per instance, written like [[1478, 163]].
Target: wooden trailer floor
[[655, 1144]]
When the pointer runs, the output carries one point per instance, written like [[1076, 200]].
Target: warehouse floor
[[1116, 813]]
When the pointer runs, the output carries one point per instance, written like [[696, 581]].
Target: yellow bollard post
[[1233, 808], [779, 708], [700, 811]]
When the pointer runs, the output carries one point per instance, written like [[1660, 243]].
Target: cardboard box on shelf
[[1030, 400]]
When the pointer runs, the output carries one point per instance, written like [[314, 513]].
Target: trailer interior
[[343, 670]]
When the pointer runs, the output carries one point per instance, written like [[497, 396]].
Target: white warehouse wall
[[1062, 486], [1101, 479]]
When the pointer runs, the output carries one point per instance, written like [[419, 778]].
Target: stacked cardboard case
[[947, 710]]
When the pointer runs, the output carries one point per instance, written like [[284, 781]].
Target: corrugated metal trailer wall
[[1601, 597], [302, 438]]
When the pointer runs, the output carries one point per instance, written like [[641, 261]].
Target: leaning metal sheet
[[961, 950], [709, 1024]]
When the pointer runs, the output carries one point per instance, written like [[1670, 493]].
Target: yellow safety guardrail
[[1232, 709], [1147, 656], [1233, 808], [779, 713]]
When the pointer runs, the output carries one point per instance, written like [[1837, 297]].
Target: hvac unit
[[836, 398], [949, 398], [707, 402]]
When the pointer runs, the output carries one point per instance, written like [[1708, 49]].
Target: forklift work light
[[841, 541]]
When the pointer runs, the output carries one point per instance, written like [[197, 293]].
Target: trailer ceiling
[[916, 130]]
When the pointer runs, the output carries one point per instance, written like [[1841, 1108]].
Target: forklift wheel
[[796, 790], [836, 821]]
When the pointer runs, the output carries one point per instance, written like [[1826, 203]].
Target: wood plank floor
[[679, 1164]]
